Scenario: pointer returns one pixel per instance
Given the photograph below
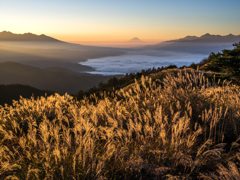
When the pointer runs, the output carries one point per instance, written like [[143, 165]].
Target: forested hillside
[[226, 62]]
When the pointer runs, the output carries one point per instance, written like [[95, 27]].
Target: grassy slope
[[185, 126]]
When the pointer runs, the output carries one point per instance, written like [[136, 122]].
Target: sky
[[115, 21]]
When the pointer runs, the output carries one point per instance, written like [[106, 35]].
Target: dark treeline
[[118, 83], [226, 64]]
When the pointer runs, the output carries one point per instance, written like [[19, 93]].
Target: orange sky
[[118, 38], [111, 38]]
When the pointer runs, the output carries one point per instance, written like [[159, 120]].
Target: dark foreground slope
[[56, 79], [11, 92]]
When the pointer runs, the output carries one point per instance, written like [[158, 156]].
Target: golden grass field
[[182, 127]]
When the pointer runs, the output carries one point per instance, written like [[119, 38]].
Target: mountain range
[[9, 36], [204, 44], [209, 38], [188, 43], [29, 40]]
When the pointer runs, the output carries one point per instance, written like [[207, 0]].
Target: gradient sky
[[120, 20]]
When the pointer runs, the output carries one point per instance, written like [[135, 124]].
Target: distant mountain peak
[[135, 40], [190, 37], [6, 32], [206, 35]]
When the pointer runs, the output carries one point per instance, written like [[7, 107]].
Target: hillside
[[226, 62], [115, 83], [56, 79], [183, 126], [8, 93]]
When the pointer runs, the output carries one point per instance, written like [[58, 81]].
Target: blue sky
[[119, 20]]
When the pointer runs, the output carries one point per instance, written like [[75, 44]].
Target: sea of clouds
[[132, 63]]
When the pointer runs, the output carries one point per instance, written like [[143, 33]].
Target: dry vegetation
[[184, 127]]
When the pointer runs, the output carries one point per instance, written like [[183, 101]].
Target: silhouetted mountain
[[56, 79], [208, 38], [11, 92], [135, 40], [184, 39], [204, 44], [8, 36]]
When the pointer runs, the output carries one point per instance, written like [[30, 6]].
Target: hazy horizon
[[115, 44], [121, 44]]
